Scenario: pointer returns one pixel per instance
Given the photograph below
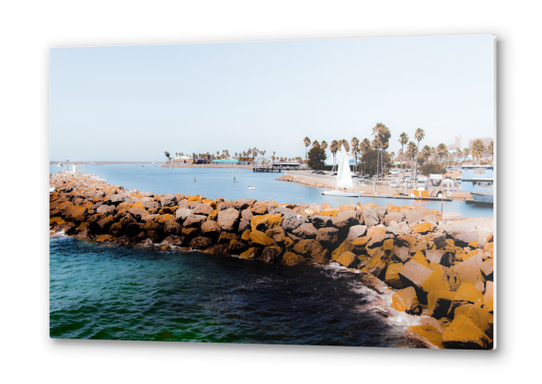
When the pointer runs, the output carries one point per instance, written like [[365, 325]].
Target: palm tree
[[412, 153], [403, 139], [334, 147], [345, 143], [442, 150], [426, 152], [364, 147], [323, 145], [477, 149], [383, 134], [355, 150], [418, 135], [307, 142]]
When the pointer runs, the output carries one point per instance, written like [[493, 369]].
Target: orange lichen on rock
[[266, 222], [422, 227]]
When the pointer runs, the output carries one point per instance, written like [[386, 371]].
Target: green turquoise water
[[121, 293]]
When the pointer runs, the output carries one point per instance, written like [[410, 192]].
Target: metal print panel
[[318, 192]]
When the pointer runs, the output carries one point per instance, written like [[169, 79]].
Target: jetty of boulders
[[439, 271]]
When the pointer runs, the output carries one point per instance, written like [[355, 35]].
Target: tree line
[[372, 158]]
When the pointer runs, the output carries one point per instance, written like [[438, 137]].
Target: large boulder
[[203, 209], [168, 200], [321, 221], [227, 219], [305, 231], [265, 222], [413, 274], [292, 221], [356, 231], [327, 236], [345, 219], [194, 221], [311, 249], [463, 333], [243, 204], [107, 210], [291, 258], [370, 217]]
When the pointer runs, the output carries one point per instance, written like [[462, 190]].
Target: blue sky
[[130, 103]]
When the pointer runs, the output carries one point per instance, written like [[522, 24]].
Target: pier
[[266, 169]]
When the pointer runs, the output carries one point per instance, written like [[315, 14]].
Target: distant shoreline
[[104, 162]]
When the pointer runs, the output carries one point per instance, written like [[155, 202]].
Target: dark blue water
[[122, 293], [219, 182]]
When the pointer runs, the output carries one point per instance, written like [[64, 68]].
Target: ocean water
[[219, 182], [121, 293], [125, 293]]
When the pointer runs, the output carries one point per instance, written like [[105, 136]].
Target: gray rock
[[119, 198], [370, 217], [227, 219], [182, 213], [381, 212], [106, 210], [321, 221], [194, 221], [246, 214], [203, 209], [305, 231], [290, 222], [168, 200], [327, 236], [152, 205], [356, 231], [413, 274], [138, 213], [243, 203], [345, 219]]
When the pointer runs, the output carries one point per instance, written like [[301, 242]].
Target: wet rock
[[291, 258], [201, 242]]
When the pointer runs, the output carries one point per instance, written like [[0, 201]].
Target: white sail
[[344, 177]]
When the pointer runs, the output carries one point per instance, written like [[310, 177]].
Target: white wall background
[[29, 29]]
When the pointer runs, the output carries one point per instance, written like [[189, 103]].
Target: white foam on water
[[375, 302]]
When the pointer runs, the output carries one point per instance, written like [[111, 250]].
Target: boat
[[478, 180], [252, 187], [344, 177], [482, 197]]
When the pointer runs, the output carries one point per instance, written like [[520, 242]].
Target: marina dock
[[266, 169]]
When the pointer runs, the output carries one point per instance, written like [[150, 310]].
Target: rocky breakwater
[[441, 273]]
